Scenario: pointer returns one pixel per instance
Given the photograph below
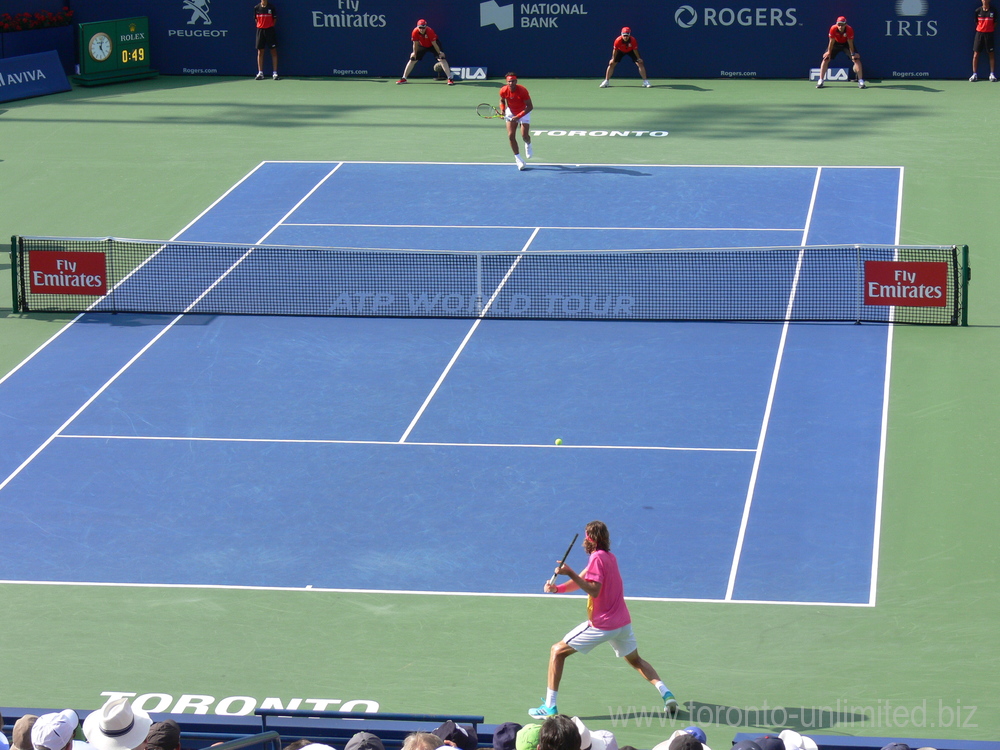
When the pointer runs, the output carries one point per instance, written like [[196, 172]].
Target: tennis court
[[732, 432], [260, 505]]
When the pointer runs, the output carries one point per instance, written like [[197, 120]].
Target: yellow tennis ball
[[558, 441]]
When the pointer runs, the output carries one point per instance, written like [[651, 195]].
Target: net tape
[[734, 284]]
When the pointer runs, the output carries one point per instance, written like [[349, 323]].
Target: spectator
[[364, 741], [55, 731], [421, 741], [793, 741], [425, 40], [297, 745], [986, 23], [558, 733], [527, 737], [21, 736], [117, 726], [598, 739], [164, 735], [505, 736], [457, 735]]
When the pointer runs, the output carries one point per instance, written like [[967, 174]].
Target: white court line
[[153, 340], [472, 330], [331, 441], [741, 537], [884, 428], [582, 164], [567, 227], [309, 589]]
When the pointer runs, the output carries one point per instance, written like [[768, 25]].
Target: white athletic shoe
[[527, 150], [819, 84], [993, 78], [520, 161], [862, 84], [974, 77], [604, 84], [646, 84]]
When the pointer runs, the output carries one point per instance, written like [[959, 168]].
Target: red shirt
[[986, 20], [426, 40], [516, 97], [626, 45], [839, 38], [265, 16]]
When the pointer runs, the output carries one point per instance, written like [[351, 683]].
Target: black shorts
[[617, 55], [846, 48], [983, 42], [422, 50], [267, 38]]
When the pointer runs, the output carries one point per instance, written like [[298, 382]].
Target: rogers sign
[[686, 17]]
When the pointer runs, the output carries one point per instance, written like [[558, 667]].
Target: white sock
[[550, 697], [661, 687]]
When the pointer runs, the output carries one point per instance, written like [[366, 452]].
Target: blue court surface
[[731, 461]]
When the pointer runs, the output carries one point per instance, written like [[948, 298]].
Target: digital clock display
[[137, 55]]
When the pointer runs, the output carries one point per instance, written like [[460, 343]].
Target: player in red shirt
[[841, 40], [265, 15], [986, 24], [625, 45], [515, 103], [424, 41]]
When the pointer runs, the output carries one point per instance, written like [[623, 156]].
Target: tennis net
[[851, 283]]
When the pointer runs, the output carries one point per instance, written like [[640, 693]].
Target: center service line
[[468, 336]]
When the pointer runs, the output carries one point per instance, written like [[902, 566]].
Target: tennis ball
[[558, 441]]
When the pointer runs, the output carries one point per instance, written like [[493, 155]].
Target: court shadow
[[132, 320], [910, 87], [802, 719], [587, 169], [680, 87]]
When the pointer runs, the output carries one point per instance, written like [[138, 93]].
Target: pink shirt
[[607, 611]]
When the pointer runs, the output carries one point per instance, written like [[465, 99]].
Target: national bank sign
[[533, 15]]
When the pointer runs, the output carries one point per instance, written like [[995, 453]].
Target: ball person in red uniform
[[515, 103], [267, 39], [424, 41], [986, 24], [625, 45], [841, 40]]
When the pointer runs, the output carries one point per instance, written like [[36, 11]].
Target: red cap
[[421, 22], [626, 30], [841, 20]]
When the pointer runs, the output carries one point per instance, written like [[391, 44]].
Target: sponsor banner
[[54, 272], [909, 284], [32, 75], [897, 39], [468, 73], [832, 74]]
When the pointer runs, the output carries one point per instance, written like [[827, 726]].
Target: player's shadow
[[680, 87], [910, 87], [588, 169], [801, 719]]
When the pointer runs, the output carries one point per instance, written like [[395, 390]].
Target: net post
[[15, 301], [966, 277]]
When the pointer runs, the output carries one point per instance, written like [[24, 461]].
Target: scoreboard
[[114, 50]]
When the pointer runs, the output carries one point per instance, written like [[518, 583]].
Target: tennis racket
[[552, 580], [488, 111]]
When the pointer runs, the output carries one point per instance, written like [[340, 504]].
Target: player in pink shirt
[[608, 619]]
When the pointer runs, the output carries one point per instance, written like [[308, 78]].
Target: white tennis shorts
[[585, 637], [508, 116]]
